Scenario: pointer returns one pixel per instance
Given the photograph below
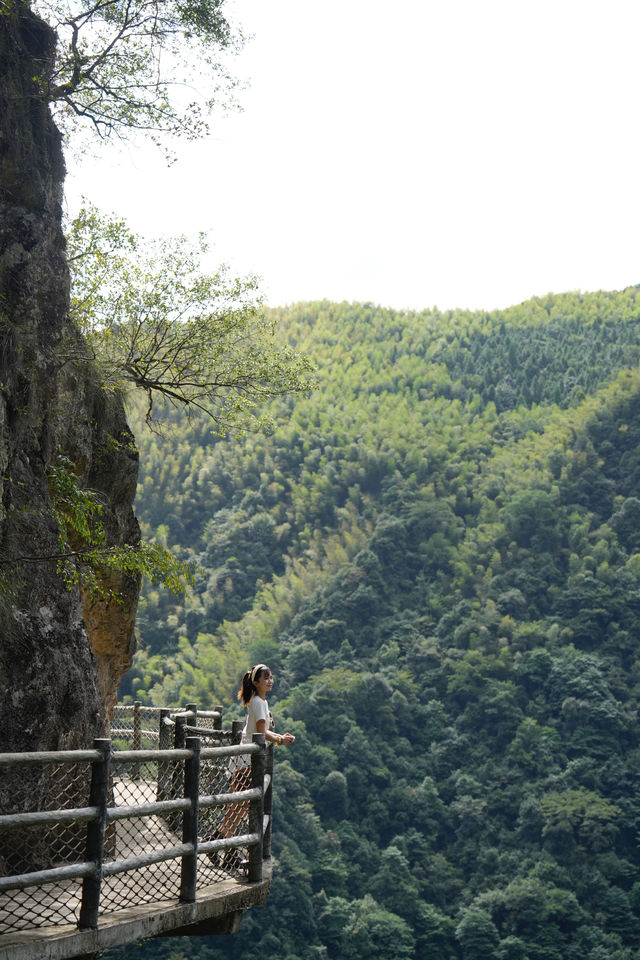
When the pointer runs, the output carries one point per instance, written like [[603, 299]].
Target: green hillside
[[438, 553]]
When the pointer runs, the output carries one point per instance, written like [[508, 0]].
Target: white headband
[[256, 669]]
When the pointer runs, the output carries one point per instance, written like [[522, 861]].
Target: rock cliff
[[62, 651]]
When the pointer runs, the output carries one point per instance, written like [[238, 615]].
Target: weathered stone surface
[[61, 654], [94, 435]]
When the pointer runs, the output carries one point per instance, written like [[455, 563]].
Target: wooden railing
[[182, 808]]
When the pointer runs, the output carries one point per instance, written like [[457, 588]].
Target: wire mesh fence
[[216, 822], [133, 785], [37, 847], [136, 779], [135, 727]]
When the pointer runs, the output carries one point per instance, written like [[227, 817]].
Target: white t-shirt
[[257, 710]]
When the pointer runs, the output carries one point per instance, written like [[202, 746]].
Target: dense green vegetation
[[438, 553]]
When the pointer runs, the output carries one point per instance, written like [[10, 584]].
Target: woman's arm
[[277, 738]]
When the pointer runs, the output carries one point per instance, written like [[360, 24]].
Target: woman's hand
[[285, 738]]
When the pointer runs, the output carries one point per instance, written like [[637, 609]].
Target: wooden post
[[193, 708], [217, 722], [256, 809], [163, 791], [137, 738], [164, 732], [189, 868], [237, 726], [268, 804], [180, 736], [98, 797], [179, 742]]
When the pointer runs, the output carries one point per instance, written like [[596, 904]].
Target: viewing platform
[[145, 835]]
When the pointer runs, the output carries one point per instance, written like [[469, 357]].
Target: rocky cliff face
[[62, 653]]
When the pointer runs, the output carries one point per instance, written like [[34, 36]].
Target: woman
[[257, 683]]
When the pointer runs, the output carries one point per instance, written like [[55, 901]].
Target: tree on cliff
[[121, 64], [164, 326], [152, 318]]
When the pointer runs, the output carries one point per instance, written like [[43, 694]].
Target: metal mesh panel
[[52, 787], [218, 822], [48, 906], [159, 881], [133, 785], [135, 727], [208, 722], [29, 848], [57, 786]]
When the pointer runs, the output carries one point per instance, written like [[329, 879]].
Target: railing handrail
[[180, 735], [130, 731], [123, 756], [120, 812], [92, 870], [54, 875], [44, 818], [51, 756], [208, 714], [207, 732]]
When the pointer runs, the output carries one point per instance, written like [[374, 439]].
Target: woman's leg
[[236, 813]]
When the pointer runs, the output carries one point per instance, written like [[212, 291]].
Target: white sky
[[450, 153]]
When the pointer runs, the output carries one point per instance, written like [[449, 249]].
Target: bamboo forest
[[437, 552]]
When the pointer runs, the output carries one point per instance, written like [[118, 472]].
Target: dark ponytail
[[247, 689]]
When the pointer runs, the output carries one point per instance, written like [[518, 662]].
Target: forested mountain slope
[[438, 553]]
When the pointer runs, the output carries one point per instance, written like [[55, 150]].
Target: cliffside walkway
[[144, 835]]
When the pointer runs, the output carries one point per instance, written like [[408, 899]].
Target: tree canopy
[[150, 65], [444, 580], [152, 318]]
